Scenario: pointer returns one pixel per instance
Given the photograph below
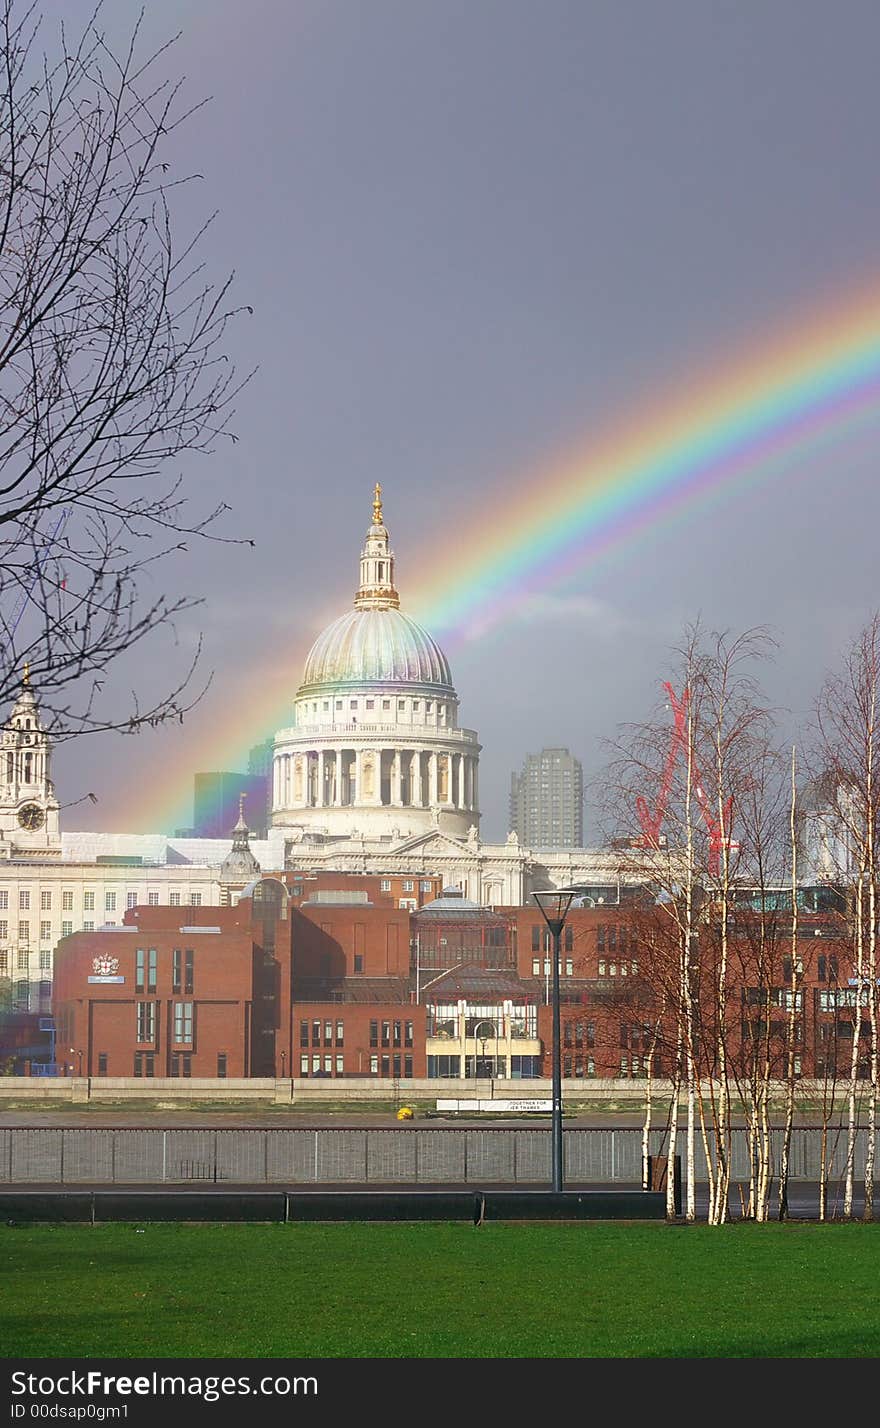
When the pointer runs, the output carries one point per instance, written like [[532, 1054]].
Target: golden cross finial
[[26, 676], [377, 505]]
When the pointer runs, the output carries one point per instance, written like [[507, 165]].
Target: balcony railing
[[392, 731]]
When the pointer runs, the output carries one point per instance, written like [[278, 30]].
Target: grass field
[[440, 1291]]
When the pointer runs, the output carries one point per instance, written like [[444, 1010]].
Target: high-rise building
[[216, 803], [547, 800]]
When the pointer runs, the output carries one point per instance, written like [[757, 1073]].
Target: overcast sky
[[469, 231]]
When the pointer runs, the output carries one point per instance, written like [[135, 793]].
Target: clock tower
[[29, 822]]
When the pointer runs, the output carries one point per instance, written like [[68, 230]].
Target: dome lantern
[[376, 590]]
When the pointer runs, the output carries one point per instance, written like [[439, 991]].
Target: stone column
[[415, 780], [395, 778], [319, 792], [432, 779], [459, 797], [338, 799]]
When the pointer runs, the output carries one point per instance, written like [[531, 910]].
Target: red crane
[[718, 830]]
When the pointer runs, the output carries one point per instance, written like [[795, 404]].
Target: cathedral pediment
[[437, 844]]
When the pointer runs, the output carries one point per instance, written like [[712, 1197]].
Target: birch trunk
[[792, 1015]]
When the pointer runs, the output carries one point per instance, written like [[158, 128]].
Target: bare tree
[[111, 365], [848, 724]]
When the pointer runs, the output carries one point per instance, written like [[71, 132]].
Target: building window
[[407, 885], [182, 970], [371, 703], [385, 885], [139, 984], [358, 962], [407, 1066], [408, 1034], [195, 899], [303, 1033], [102, 1063], [340, 1041], [144, 1063], [536, 939], [146, 1021], [131, 900], [22, 961], [374, 1033], [4, 898], [88, 927], [316, 1033], [181, 1063], [24, 900], [316, 1065], [24, 931], [4, 930], [88, 902], [536, 966], [67, 929], [45, 961], [303, 1066], [45, 931], [374, 1065], [569, 967], [386, 1034], [45, 901], [221, 1065], [386, 703], [328, 1065], [340, 1065], [110, 902], [183, 1023], [153, 899], [174, 899]]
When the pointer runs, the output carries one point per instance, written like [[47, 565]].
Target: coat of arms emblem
[[106, 966]]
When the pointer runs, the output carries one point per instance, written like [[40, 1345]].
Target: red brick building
[[324, 981]]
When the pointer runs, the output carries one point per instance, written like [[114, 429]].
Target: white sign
[[103, 980], [496, 1105]]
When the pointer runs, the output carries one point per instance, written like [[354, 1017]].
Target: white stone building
[[373, 776]]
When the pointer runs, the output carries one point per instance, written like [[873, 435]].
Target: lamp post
[[477, 1040], [554, 907]]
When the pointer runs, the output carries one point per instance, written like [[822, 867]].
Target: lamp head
[[554, 904]]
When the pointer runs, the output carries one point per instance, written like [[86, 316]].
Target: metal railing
[[411, 1155]]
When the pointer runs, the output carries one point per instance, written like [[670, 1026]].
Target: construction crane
[[717, 829]]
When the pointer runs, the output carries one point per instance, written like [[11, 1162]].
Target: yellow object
[[405, 1113], [377, 505]]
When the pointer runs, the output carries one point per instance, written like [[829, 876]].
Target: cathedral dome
[[375, 646], [375, 643]]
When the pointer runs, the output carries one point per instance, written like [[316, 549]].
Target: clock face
[[31, 816]]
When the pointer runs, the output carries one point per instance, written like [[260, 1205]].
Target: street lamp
[[477, 1040], [554, 905]]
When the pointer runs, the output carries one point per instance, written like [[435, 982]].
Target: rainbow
[[774, 405]]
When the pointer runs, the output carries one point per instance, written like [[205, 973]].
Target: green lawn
[[440, 1291]]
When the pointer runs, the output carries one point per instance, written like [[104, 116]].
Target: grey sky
[[469, 232]]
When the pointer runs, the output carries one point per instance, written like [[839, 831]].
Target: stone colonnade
[[345, 777]]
